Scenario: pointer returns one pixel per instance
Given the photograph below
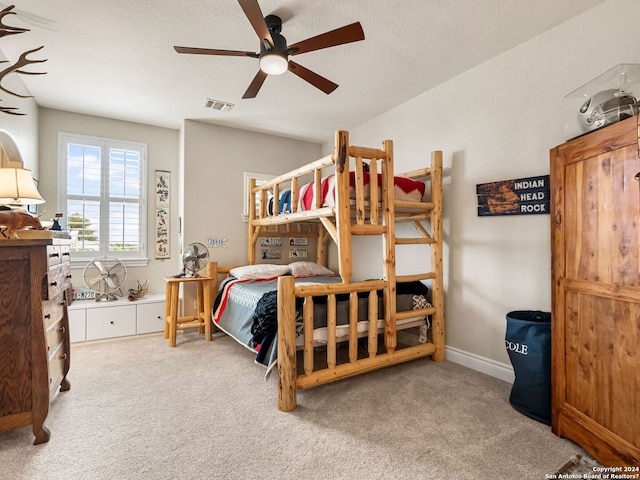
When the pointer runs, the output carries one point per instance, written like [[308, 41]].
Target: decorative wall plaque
[[522, 196]]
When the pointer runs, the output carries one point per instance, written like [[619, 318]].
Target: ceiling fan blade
[[213, 51], [339, 36], [252, 10], [256, 83], [318, 81]]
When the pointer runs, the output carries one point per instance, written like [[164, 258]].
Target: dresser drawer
[[58, 279], [52, 310], [57, 363], [54, 254], [107, 322], [55, 336], [65, 254]]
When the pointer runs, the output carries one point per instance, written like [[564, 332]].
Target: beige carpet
[[580, 465], [138, 409]]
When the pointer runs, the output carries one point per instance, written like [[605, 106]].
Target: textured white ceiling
[[115, 58]]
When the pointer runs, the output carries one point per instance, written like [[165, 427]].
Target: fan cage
[[194, 259], [105, 276]]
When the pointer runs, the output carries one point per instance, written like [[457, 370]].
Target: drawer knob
[[112, 322], [54, 255], [62, 329], [47, 315], [65, 253], [62, 302], [63, 356], [68, 276], [53, 284]]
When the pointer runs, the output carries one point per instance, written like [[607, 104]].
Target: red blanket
[[405, 189]]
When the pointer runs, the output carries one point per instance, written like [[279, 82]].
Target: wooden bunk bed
[[355, 209]]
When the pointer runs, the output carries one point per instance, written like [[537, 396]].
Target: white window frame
[[260, 179], [133, 259]]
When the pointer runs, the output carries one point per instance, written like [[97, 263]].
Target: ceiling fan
[[274, 51]]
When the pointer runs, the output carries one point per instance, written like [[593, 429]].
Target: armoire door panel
[[601, 340], [601, 220], [595, 271]]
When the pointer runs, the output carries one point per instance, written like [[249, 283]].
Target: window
[[260, 179], [103, 197]]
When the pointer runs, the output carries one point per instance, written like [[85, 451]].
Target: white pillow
[[309, 269], [259, 271]]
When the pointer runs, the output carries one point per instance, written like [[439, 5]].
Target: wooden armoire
[[595, 241]]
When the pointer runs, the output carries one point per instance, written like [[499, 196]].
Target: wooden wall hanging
[[522, 196]]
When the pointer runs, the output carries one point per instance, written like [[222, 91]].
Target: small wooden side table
[[204, 303]]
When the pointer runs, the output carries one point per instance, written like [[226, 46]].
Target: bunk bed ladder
[[433, 214]]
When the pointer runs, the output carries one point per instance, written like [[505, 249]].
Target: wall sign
[[217, 242], [522, 196], [271, 254], [271, 242], [298, 253]]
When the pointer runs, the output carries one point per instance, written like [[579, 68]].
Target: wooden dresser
[[34, 331], [595, 223]]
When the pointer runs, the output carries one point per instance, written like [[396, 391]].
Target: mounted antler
[[22, 62], [10, 110], [7, 29]]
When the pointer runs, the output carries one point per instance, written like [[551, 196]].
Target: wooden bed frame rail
[[290, 381]]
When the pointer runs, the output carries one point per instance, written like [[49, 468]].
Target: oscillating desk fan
[[194, 258]]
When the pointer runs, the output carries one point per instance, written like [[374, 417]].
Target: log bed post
[[211, 290], [251, 247], [343, 209], [388, 208], [437, 292], [287, 373]]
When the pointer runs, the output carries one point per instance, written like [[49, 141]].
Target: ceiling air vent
[[218, 105]]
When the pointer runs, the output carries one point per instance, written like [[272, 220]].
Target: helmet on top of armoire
[[605, 108]]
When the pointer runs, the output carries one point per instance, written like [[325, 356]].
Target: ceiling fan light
[[274, 64]]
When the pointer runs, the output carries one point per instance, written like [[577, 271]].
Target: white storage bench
[[91, 320]]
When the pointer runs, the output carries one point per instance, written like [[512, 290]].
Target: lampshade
[[17, 187], [273, 63]]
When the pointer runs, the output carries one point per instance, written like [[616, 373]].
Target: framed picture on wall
[[163, 207]]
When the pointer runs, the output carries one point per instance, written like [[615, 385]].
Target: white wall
[[215, 159], [498, 122], [162, 154], [23, 129]]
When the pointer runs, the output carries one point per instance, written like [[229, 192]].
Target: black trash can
[[528, 343]]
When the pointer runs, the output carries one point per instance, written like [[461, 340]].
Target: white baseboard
[[480, 364]]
